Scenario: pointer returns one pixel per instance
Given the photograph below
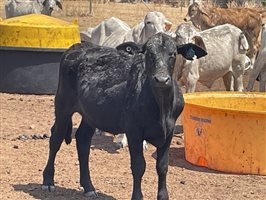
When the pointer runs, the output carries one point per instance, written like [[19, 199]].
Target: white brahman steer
[[15, 8], [226, 46], [113, 31], [259, 70], [154, 22], [110, 32]]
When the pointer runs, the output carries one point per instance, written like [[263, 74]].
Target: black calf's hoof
[[50, 188], [91, 194]]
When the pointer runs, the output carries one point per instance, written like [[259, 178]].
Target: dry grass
[[130, 13], [2, 8], [247, 4]]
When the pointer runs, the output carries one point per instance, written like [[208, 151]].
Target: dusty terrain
[[22, 162]]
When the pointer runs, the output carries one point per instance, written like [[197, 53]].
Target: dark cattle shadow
[[105, 142], [60, 193], [177, 159], [102, 142], [178, 129]]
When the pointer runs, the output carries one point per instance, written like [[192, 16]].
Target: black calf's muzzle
[[162, 80]]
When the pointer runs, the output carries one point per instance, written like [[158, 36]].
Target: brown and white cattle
[[247, 19]]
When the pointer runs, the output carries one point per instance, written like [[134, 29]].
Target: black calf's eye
[[128, 49]]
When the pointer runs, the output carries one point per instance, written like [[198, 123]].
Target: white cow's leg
[[238, 72], [251, 83], [98, 132], [121, 142], [191, 84], [228, 81], [193, 76], [238, 83]]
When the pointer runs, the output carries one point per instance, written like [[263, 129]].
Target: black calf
[[119, 93]]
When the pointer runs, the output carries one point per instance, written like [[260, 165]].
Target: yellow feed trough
[[38, 31], [31, 47], [226, 131]]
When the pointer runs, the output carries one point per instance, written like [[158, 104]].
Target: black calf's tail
[[68, 137]]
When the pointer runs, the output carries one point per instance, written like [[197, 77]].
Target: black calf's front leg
[[138, 164], [83, 139], [162, 168]]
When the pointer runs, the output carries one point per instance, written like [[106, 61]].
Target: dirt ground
[[22, 162]]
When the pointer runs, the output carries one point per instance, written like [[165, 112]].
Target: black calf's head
[[160, 56], [160, 53]]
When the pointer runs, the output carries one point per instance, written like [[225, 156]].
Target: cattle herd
[[125, 80], [15, 8]]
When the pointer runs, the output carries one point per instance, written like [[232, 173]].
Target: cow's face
[[193, 12], [155, 22], [50, 5], [160, 57], [185, 33]]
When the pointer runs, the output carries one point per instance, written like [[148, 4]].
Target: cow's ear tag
[[190, 53]]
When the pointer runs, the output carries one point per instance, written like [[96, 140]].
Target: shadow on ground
[[105, 143], [102, 142], [60, 193], [177, 159]]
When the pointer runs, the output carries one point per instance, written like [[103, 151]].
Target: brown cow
[[246, 19]]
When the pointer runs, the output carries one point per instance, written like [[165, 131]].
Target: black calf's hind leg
[[61, 127], [83, 138]]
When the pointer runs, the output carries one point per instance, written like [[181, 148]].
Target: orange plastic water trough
[[226, 131]]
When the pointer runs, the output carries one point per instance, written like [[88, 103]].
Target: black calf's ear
[[143, 47], [188, 51]]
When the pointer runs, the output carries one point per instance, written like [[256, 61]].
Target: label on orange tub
[[199, 119]]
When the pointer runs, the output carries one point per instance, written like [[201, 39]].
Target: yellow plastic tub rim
[[38, 31], [226, 131]]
